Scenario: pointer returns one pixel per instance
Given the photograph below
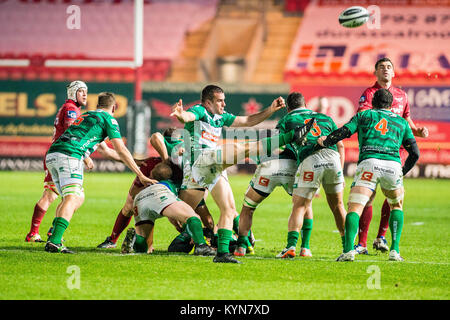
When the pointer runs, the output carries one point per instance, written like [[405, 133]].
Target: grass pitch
[[28, 272]]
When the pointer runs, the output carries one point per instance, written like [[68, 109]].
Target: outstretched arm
[[128, 160], [254, 119], [157, 142], [334, 137], [180, 114]]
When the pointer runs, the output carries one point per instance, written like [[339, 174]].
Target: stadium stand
[[105, 33]]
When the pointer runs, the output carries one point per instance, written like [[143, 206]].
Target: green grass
[[28, 272]]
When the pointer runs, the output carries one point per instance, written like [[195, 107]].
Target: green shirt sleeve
[[112, 128], [198, 111], [352, 125], [228, 119]]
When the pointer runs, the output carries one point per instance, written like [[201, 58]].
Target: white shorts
[[150, 202], [372, 171], [65, 170], [322, 167], [205, 172], [273, 173]]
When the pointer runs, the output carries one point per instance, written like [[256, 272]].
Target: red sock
[[120, 225], [38, 215], [364, 223], [384, 221]]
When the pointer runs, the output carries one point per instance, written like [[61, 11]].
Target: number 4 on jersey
[[382, 127]]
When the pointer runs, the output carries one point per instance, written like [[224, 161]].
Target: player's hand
[[278, 104], [147, 181], [423, 132], [320, 140], [181, 151], [88, 163], [177, 109]]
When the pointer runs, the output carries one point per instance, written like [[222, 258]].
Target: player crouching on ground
[[380, 135], [157, 201]]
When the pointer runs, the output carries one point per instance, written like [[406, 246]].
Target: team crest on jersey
[[362, 99], [114, 122], [71, 114]]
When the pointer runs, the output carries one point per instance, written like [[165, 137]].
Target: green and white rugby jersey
[[380, 134], [206, 130], [86, 132], [324, 125]]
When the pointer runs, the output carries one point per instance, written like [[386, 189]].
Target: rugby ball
[[354, 17]]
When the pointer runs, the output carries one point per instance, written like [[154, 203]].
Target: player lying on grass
[[205, 161], [65, 161], [157, 201], [380, 135], [316, 166], [170, 149]]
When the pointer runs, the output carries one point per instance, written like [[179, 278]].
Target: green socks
[[194, 228], [396, 226], [140, 244], [59, 227], [223, 242], [306, 232], [292, 239], [351, 230]]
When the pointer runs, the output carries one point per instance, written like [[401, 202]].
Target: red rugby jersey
[[399, 106], [66, 115]]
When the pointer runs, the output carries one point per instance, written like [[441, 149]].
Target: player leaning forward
[[380, 135], [206, 161], [65, 161]]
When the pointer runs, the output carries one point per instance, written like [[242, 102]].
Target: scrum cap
[[73, 87]]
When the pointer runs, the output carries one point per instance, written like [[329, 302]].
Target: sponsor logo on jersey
[[71, 114], [263, 182], [367, 176], [114, 122], [308, 176], [209, 136]]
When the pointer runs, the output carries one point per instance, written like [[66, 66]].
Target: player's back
[[87, 131], [380, 134], [324, 125]]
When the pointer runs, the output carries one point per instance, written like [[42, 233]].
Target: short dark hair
[[168, 132], [106, 99], [208, 92], [162, 171], [295, 100], [382, 99], [383, 60]]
